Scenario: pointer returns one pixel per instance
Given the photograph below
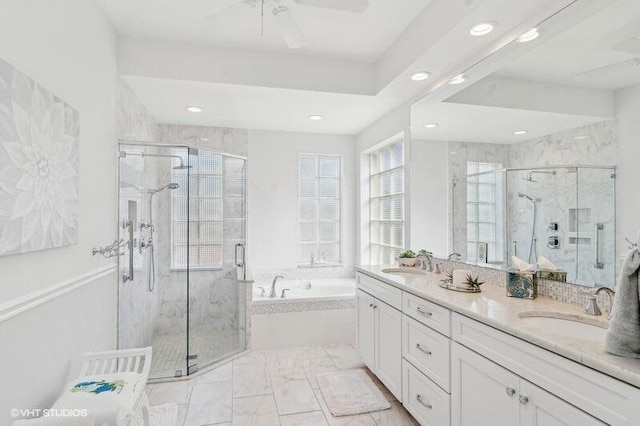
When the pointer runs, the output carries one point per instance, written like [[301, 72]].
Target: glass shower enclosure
[[182, 215]]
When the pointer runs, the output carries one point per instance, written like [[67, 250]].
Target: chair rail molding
[[24, 303]]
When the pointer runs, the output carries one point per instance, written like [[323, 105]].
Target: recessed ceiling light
[[481, 29], [193, 108], [315, 117], [530, 35], [520, 132], [431, 125], [578, 138], [459, 79], [420, 75]]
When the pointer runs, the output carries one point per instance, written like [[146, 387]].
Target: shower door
[[182, 213], [217, 291]]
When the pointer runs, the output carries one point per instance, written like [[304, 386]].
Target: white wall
[[273, 194], [68, 47], [628, 195]]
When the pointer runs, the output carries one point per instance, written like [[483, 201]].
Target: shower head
[[523, 195], [529, 177], [171, 186], [182, 167]]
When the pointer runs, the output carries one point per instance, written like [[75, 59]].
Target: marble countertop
[[494, 308]]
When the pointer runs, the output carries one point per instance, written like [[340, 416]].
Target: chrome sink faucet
[[272, 293], [592, 307], [454, 256]]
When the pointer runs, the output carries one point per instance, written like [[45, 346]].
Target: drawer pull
[[426, 404], [420, 348], [524, 399], [511, 391], [425, 313]]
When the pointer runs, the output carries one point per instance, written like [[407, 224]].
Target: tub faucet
[[611, 294], [454, 256], [272, 293]]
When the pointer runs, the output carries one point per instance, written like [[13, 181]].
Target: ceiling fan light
[[288, 27]]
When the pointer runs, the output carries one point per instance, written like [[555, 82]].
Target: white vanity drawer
[[428, 350], [382, 291], [435, 316], [429, 404]]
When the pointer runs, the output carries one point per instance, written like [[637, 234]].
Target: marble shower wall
[[138, 308]]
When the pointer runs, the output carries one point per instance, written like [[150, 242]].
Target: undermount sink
[[410, 271], [569, 325]]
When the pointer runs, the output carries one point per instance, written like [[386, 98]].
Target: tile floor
[[276, 387], [170, 351]]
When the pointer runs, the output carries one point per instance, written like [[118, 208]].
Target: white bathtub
[[316, 289], [323, 314]]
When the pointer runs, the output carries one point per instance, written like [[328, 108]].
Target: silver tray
[[449, 286]]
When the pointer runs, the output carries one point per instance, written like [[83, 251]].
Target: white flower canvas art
[[39, 138]]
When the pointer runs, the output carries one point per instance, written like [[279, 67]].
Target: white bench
[[109, 390]]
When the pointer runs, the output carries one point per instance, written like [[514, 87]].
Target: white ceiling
[[332, 33], [586, 46], [229, 105], [477, 123]]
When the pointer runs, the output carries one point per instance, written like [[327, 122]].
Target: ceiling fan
[[284, 19], [630, 46]]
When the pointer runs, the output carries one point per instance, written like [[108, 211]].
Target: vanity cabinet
[[379, 332], [484, 393], [449, 369]]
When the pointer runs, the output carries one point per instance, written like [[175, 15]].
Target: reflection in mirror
[[521, 159]]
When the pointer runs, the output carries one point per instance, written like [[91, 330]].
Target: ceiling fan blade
[[219, 6], [289, 28], [608, 69], [357, 6]]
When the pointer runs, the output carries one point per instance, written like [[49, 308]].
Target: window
[[204, 209], [386, 202], [319, 190], [484, 211]]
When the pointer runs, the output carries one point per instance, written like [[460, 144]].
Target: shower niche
[[565, 214], [182, 212]]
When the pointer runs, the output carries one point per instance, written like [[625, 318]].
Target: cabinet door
[[365, 338], [541, 408], [388, 347], [482, 392]]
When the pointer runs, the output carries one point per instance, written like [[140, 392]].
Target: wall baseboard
[[24, 303]]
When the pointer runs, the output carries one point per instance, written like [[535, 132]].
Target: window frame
[[340, 223]]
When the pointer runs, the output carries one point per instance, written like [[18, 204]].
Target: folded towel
[[545, 264], [520, 264], [623, 336]]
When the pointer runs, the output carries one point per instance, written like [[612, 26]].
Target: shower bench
[[110, 390]]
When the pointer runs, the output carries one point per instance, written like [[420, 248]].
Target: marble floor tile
[[394, 416], [345, 356], [210, 403], [319, 366], [255, 411], [357, 420], [223, 373], [313, 418], [251, 377], [293, 394], [162, 393], [182, 414]]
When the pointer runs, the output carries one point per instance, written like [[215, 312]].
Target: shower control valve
[[553, 242], [553, 226], [145, 244]]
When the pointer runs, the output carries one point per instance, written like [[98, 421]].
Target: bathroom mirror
[[520, 159]]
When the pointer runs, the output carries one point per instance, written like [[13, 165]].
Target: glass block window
[[386, 202], [202, 214], [484, 211], [319, 193]]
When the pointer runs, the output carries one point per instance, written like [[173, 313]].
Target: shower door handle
[[239, 261], [596, 245], [129, 276]]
